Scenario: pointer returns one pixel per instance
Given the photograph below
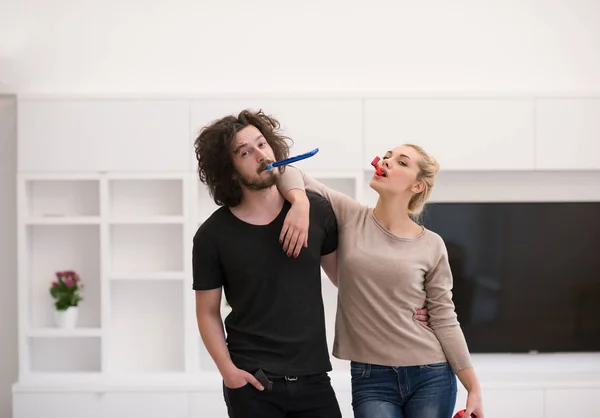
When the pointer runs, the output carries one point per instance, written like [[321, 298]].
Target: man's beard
[[259, 183]]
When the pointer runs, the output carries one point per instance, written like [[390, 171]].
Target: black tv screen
[[526, 275]]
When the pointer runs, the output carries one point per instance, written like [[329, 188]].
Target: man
[[275, 360]]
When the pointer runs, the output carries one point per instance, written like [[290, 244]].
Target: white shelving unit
[[128, 238]]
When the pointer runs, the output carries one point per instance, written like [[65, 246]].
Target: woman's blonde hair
[[428, 168]]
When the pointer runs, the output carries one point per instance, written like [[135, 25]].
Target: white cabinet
[[208, 404], [499, 402], [572, 402], [157, 135], [101, 405], [58, 405], [568, 134], [128, 234], [146, 405], [333, 126], [103, 135], [204, 398], [462, 134]]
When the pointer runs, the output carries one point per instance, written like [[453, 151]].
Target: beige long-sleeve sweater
[[383, 279]]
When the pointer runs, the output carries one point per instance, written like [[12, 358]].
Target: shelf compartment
[[53, 248], [205, 204], [148, 220], [65, 354], [56, 199], [147, 327], [171, 276], [65, 333], [146, 249], [67, 220], [134, 198]]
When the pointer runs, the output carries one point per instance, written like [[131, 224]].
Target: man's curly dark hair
[[214, 152]]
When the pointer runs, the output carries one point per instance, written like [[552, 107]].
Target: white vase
[[66, 319]]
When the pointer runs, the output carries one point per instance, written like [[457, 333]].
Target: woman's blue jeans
[[427, 391]]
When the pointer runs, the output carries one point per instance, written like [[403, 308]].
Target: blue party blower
[[293, 159]]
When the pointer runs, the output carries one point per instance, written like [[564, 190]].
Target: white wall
[[135, 46], [8, 252], [185, 46]]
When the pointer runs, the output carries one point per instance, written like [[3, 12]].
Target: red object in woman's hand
[[461, 414], [374, 164]]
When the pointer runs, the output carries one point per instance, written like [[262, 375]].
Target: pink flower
[[67, 277]]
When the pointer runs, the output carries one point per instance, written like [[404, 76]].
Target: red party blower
[[461, 414], [374, 164]]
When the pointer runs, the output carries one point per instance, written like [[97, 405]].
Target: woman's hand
[[474, 405], [422, 315], [474, 399], [294, 234]]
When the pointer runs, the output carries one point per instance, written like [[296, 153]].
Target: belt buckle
[[291, 378]]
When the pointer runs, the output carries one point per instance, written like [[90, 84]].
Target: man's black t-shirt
[[277, 321]]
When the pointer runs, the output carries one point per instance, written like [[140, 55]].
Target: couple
[[264, 247]]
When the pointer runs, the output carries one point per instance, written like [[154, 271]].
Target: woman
[[388, 264]]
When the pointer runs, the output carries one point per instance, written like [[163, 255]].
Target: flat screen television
[[526, 275]]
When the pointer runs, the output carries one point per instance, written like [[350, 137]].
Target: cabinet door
[[57, 405], [497, 402], [208, 404], [462, 134], [333, 126], [568, 134], [103, 135], [146, 405], [572, 403]]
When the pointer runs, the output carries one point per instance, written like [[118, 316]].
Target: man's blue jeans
[[427, 391]]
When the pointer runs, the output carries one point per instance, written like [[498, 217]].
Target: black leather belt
[[266, 378]]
